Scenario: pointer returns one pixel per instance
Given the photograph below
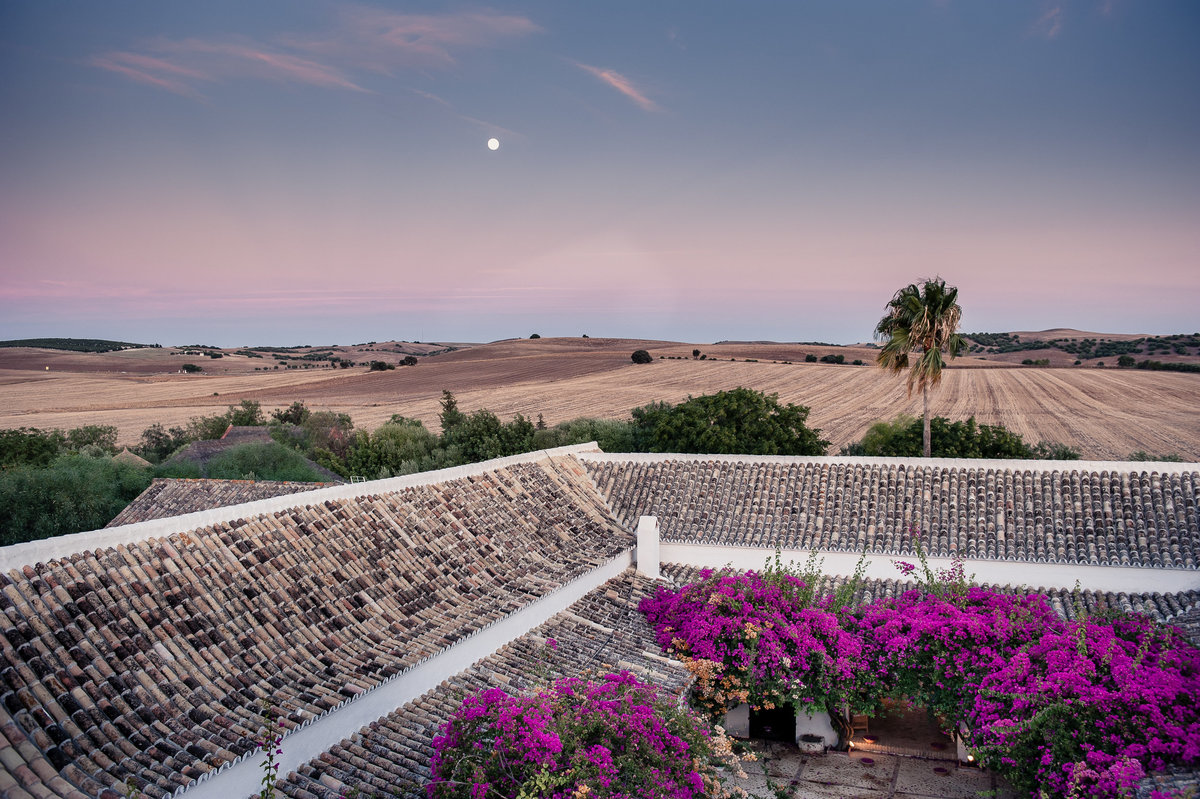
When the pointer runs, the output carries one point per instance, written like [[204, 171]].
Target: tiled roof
[[174, 497], [601, 632], [148, 660], [1129, 517]]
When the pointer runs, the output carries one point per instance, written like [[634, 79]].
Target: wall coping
[[1132, 467]]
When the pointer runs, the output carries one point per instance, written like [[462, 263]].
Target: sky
[[310, 172]]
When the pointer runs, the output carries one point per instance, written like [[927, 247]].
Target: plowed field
[[1105, 413]]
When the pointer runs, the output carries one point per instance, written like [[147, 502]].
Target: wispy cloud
[[361, 40], [383, 41], [1050, 23], [622, 84]]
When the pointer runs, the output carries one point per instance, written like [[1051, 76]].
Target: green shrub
[[902, 437], [261, 461], [190, 368], [1142, 455], [810, 358], [641, 356]]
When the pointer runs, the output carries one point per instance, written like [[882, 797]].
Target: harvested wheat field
[[1105, 413]]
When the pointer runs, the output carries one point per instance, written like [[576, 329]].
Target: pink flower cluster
[[611, 738], [764, 637], [1068, 708]]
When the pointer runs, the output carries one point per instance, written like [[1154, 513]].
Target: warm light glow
[[493, 144]]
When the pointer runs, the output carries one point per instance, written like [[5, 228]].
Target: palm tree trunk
[[927, 438]]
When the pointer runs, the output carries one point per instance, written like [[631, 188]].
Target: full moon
[[493, 144]]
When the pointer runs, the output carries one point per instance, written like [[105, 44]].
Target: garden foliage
[[1070, 708], [611, 738]]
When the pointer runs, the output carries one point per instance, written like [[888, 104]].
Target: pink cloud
[[381, 40], [622, 84], [362, 39], [1049, 24], [142, 68]]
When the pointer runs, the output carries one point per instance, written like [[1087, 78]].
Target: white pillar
[[647, 546], [737, 721]]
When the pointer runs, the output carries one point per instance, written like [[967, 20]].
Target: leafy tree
[[902, 437], [641, 356], [1126, 361], [612, 435], [296, 413], [481, 436], [73, 494], [401, 446], [738, 421], [96, 438], [190, 368], [451, 417], [810, 358], [409, 360], [247, 414], [534, 335], [922, 320], [29, 446], [696, 353], [158, 443]]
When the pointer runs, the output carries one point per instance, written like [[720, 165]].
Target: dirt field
[[1105, 413]]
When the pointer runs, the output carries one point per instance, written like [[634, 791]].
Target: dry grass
[[1105, 413]]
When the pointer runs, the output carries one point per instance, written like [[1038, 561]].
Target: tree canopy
[[740, 421], [922, 320]]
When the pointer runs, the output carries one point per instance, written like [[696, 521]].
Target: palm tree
[[922, 320]]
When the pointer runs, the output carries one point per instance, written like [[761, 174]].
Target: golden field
[[1105, 413]]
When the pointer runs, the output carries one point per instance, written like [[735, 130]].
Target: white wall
[[998, 572]]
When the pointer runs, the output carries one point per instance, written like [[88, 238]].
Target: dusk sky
[[299, 172]]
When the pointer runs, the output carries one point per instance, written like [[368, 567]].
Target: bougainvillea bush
[[611, 738], [1082, 708], [1094, 704]]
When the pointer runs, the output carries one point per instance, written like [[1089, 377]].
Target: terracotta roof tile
[[1133, 517]]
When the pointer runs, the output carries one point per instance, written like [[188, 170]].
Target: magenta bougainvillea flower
[[1065, 708], [612, 738]]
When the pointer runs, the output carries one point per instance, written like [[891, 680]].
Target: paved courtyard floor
[[861, 775]]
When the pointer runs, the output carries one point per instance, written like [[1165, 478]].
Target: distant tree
[[1126, 361], [696, 353], [246, 414], [157, 443], [922, 320], [810, 358], [296, 413], [741, 421], [534, 335], [451, 417], [381, 366], [641, 356], [409, 360], [190, 368]]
